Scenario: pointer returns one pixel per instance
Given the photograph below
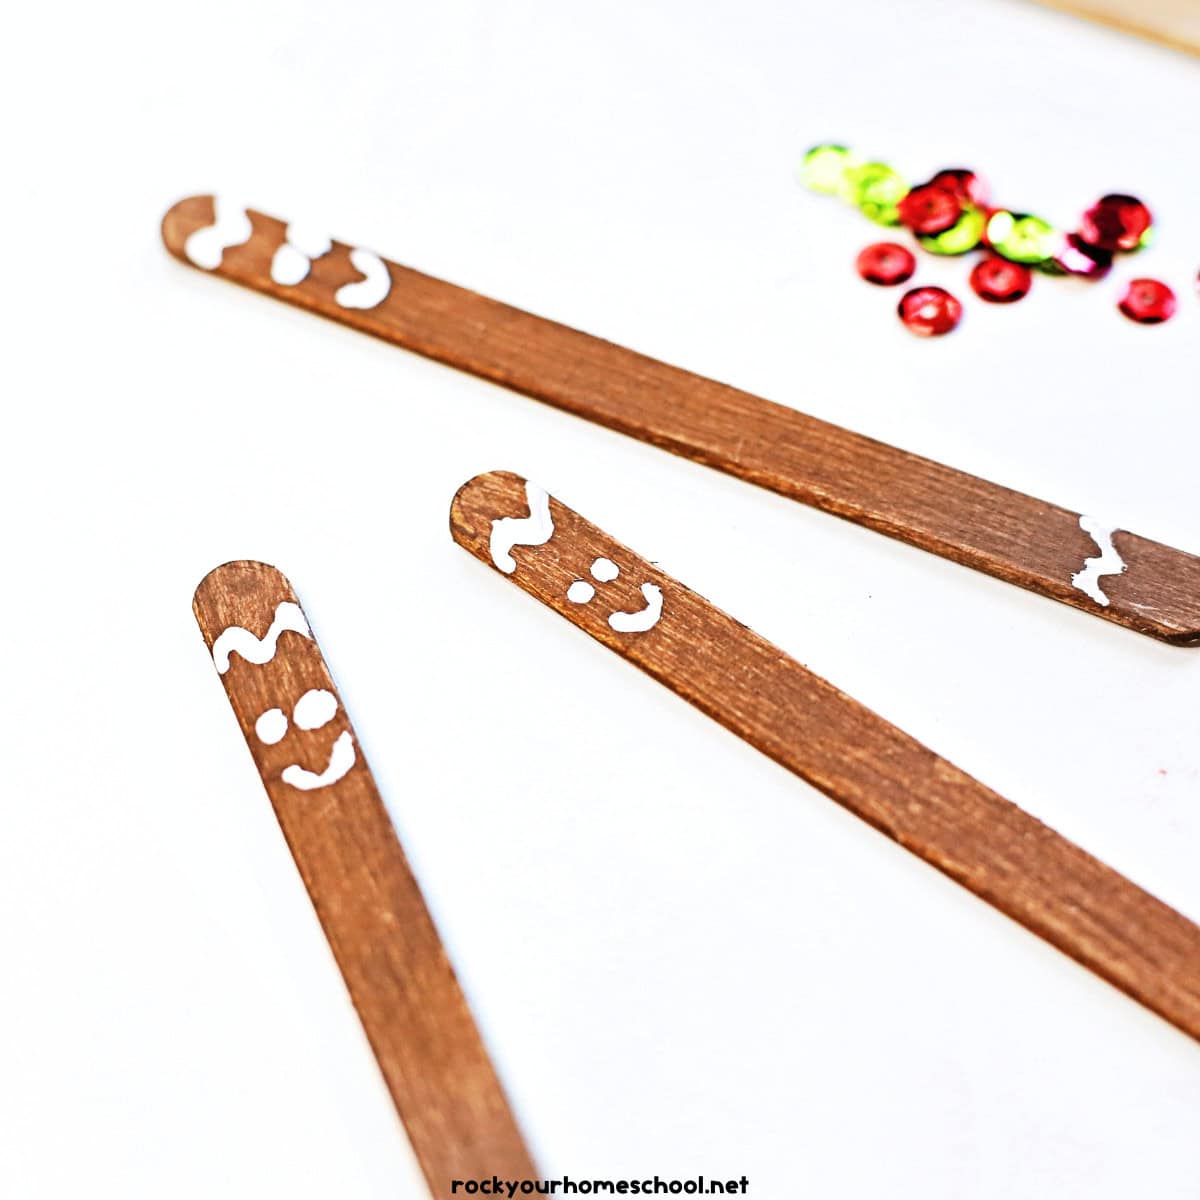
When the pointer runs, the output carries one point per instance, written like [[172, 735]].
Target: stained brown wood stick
[[1131, 580], [903, 789], [370, 906], [1174, 23]]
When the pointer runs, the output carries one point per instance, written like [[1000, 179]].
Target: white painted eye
[[605, 570], [290, 266], [271, 726], [294, 259], [580, 592], [315, 708]]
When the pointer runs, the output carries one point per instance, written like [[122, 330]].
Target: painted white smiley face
[[536, 530], [293, 260], [315, 709], [604, 570]]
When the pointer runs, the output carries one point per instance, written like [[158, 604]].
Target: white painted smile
[[341, 759], [314, 710], [646, 618]]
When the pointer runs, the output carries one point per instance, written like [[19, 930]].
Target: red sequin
[[1147, 301], [1115, 222], [929, 311], [1078, 257], [999, 281], [929, 210], [886, 263], [964, 184]]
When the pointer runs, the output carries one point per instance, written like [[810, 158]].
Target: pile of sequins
[[952, 214]]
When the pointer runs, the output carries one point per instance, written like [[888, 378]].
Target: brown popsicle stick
[[929, 806], [1174, 23], [370, 906], [1133, 581]]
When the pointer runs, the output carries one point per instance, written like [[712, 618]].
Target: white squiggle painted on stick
[[1109, 561], [236, 640], [365, 293], [294, 259], [534, 530], [341, 759], [231, 227], [639, 622]]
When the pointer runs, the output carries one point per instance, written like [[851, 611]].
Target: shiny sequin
[[877, 190], [999, 281], [1147, 301], [1077, 257], [886, 263], [965, 234], [929, 311], [929, 209], [964, 184], [1116, 222], [823, 169], [1021, 237], [1051, 266], [952, 214]]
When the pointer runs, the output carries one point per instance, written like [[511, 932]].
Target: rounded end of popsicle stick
[[479, 501], [1181, 637], [185, 218], [1149, 587], [241, 577]]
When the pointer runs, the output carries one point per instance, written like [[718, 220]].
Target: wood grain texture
[[1174, 23], [369, 904], [903, 789], [1028, 542]]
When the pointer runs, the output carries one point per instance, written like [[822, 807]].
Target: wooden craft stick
[[1174, 23], [382, 936], [930, 807], [1079, 560]]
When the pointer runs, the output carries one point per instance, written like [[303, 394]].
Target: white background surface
[[684, 960]]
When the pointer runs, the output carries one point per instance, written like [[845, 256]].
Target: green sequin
[[823, 169], [1022, 238], [964, 235], [876, 189]]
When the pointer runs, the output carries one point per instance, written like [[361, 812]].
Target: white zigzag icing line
[[236, 640], [1109, 561], [534, 530], [341, 759], [639, 622], [231, 227], [365, 293]]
